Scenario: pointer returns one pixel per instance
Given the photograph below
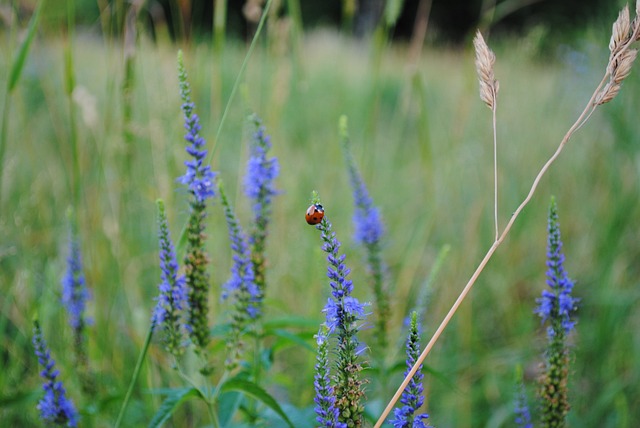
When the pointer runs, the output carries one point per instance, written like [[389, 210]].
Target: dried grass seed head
[[623, 66], [620, 32], [608, 93], [485, 59]]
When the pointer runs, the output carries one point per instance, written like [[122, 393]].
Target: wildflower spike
[[412, 398], [200, 181], [172, 299], [343, 312], [55, 408]]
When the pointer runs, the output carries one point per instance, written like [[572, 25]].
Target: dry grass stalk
[[623, 34], [620, 32], [485, 59], [618, 68]]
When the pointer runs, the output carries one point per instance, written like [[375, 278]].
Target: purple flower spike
[[412, 398], [74, 288], [55, 408], [173, 294], [556, 304], [199, 178]]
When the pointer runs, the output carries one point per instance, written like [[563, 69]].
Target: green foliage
[[436, 185]]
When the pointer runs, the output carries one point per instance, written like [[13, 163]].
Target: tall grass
[[421, 146]]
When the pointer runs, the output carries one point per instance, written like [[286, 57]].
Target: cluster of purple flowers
[[200, 180], [342, 309], [368, 232], [173, 294], [55, 408], [412, 397], [556, 304], [74, 288], [199, 177], [343, 313], [326, 410], [242, 282], [261, 172], [523, 416]]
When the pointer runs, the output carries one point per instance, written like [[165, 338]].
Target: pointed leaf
[[255, 391], [171, 403], [18, 63]]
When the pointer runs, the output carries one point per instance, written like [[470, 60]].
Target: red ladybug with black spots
[[314, 214]]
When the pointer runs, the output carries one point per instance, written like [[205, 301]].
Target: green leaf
[[171, 403], [253, 390], [18, 63], [227, 406], [287, 337], [293, 321]]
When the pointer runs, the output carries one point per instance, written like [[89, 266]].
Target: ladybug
[[314, 214]]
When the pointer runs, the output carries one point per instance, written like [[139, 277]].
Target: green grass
[[423, 144]]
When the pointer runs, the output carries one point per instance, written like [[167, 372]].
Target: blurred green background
[[94, 123]]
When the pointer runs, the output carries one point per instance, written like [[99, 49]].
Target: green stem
[[14, 75], [69, 81], [3, 135], [183, 235], [136, 374], [236, 84]]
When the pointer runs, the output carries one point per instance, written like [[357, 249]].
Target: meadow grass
[[423, 145]]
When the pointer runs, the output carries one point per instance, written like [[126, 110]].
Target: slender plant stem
[[495, 166], [183, 234], [69, 81], [586, 113], [236, 84], [3, 134], [136, 374]]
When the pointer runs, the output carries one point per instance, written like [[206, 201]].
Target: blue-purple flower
[[523, 416], [259, 188], [200, 180], [367, 220], [261, 171], [368, 232], [343, 314], [173, 294], [74, 288], [556, 304], [412, 397], [241, 284], [55, 408], [326, 410], [342, 310], [199, 177]]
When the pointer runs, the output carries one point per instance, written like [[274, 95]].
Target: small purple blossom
[[74, 288], [55, 408], [261, 171], [557, 304], [200, 181], [325, 397], [368, 232], [523, 416], [412, 398], [342, 310], [173, 294], [242, 282], [199, 177]]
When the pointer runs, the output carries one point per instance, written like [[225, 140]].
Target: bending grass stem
[[236, 84], [183, 234], [586, 113]]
